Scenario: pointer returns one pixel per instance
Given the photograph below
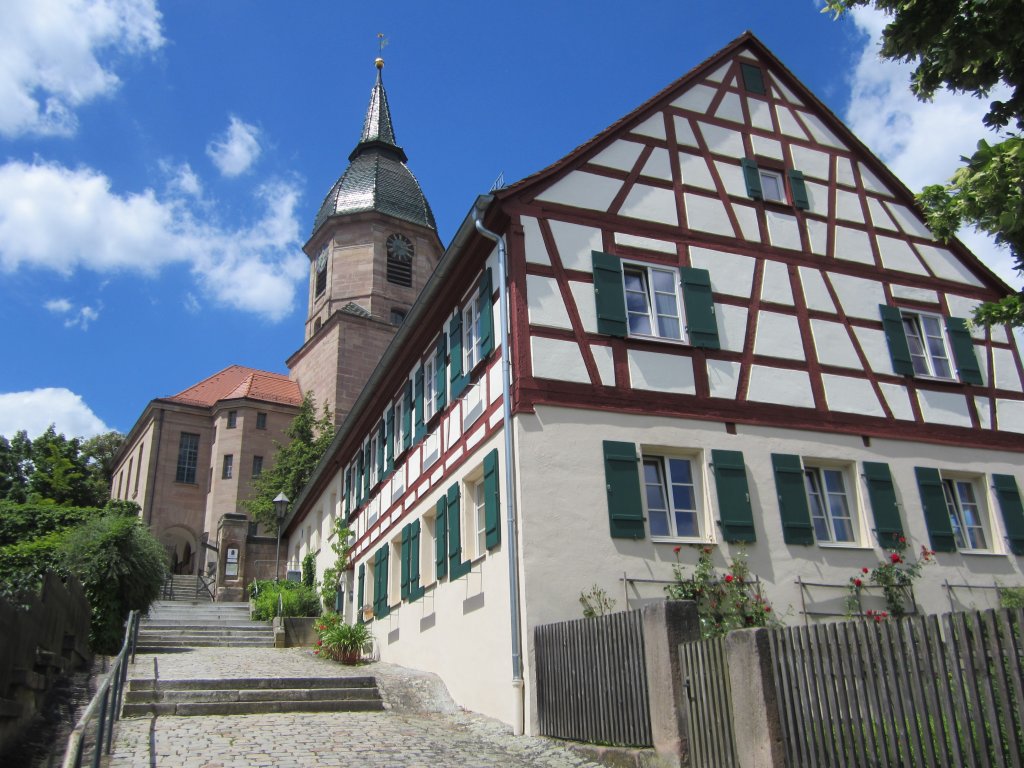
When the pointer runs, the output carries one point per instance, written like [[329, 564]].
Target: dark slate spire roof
[[377, 178]]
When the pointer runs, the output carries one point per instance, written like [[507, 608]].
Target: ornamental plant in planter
[[340, 641]]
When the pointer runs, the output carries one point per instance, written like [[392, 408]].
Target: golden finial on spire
[[381, 42]]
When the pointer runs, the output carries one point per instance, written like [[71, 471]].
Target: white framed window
[[966, 514], [428, 544], [396, 442], [472, 341], [429, 387], [653, 302], [926, 338], [474, 522], [772, 185], [832, 509], [673, 496], [374, 444], [395, 571]]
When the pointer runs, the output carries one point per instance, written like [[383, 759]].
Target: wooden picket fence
[[708, 700], [592, 680], [919, 691]]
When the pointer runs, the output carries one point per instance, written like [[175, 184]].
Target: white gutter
[[512, 541]]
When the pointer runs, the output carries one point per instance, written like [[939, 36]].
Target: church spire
[[378, 130]]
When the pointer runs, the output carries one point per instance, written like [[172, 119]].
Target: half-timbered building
[[727, 326]]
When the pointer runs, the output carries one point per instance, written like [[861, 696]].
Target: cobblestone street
[[421, 727]]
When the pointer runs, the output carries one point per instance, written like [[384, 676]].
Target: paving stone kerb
[[421, 726]]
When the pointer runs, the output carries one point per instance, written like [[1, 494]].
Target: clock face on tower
[[399, 248]]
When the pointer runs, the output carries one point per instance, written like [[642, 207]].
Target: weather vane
[[381, 42]]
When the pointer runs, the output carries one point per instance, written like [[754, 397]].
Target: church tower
[[373, 246]]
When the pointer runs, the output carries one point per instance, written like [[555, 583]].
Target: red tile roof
[[237, 381]]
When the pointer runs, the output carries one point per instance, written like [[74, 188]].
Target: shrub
[[895, 575], [19, 522], [1011, 597], [340, 641], [595, 602], [332, 573], [733, 601], [309, 570], [122, 568], [296, 599]]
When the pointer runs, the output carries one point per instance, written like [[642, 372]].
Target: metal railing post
[[97, 752]]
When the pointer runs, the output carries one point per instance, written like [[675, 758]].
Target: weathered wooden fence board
[[705, 673], [592, 680], [919, 691]]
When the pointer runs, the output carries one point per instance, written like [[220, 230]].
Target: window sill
[[978, 553], [853, 545], [679, 540]]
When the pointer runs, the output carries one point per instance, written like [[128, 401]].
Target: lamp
[[280, 510]]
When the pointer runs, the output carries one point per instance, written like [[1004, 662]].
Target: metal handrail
[[107, 702], [206, 585]]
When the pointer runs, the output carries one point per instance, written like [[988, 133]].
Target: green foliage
[[896, 576], [733, 601], [23, 563], [1011, 597], [14, 466], [122, 568], [340, 546], [20, 522], [595, 602], [309, 570], [969, 46], [294, 462], [296, 599], [340, 641]]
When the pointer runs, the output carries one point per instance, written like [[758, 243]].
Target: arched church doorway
[[180, 544]]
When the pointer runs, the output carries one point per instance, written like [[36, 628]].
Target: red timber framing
[[856, 196]]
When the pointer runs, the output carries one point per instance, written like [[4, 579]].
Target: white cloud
[[58, 306], [183, 180], [37, 409], [56, 218], [237, 149], [50, 57], [921, 142]]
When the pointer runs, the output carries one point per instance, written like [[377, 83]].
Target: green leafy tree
[[15, 463], [59, 472], [99, 453], [294, 462], [969, 46]]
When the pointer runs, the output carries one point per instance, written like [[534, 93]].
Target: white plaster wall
[[879, 216], [650, 204], [544, 302], [851, 395], [832, 344], [722, 141], [898, 255], [810, 162], [821, 133], [844, 172], [913, 293], [817, 234], [605, 364], [871, 182], [583, 295], [684, 132], [761, 117], [775, 284], [576, 244], [707, 214], [647, 243], [723, 378], [654, 126], [695, 171], [732, 178], [944, 408], [1010, 414], [621, 155], [533, 242], [908, 221], [732, 326], [661, 373], [765, 146], [731, 273], [566, 546], [778, 335], [788, 124], [848, 206], [781, 386], [816, 295], [853, 245], [859, 297], [695, 99], [944, 264], [783, 230], [1006, 376], [747, 217], [657, 165], [730, 108], [557, 359], [582, 190]]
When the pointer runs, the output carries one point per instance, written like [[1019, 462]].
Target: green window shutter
[[385, 607], [701, 326], [799, 190], [361, 592], [609, 298], [753, 78], [936, 513], [441, 538], [381, 435], [348, 482], [622, 484], [492, 505], [896, 337], [458, 381], [1013, 511], [963, 351], [789, 485], [752, 177], [418, 404], [359, 479], [456, 566], [405, 563], [735, 515], [415, 590], [407, 416], [440, 379], [376, 584], [486, 314], [884, 507], [389, 440], [367, 458]]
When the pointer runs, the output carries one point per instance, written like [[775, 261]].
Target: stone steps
[[251, 696], [173, 625]]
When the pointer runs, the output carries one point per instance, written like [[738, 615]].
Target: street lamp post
[[280, 510]]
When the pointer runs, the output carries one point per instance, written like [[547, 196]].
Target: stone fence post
[[668, 623], [756, 726]]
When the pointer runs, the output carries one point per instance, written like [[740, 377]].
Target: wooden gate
[[705, 672]]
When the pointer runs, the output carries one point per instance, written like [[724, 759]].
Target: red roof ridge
[[239, 381]]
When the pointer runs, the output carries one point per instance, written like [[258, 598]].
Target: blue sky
[[161, 163]]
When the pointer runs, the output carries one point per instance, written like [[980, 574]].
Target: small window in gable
[[772, 186], [753, 78], [927, 343], [923, 344], [652, 301]]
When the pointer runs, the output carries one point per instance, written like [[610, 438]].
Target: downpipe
[[512, 547]]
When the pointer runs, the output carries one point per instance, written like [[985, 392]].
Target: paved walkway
[[421, 726]]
